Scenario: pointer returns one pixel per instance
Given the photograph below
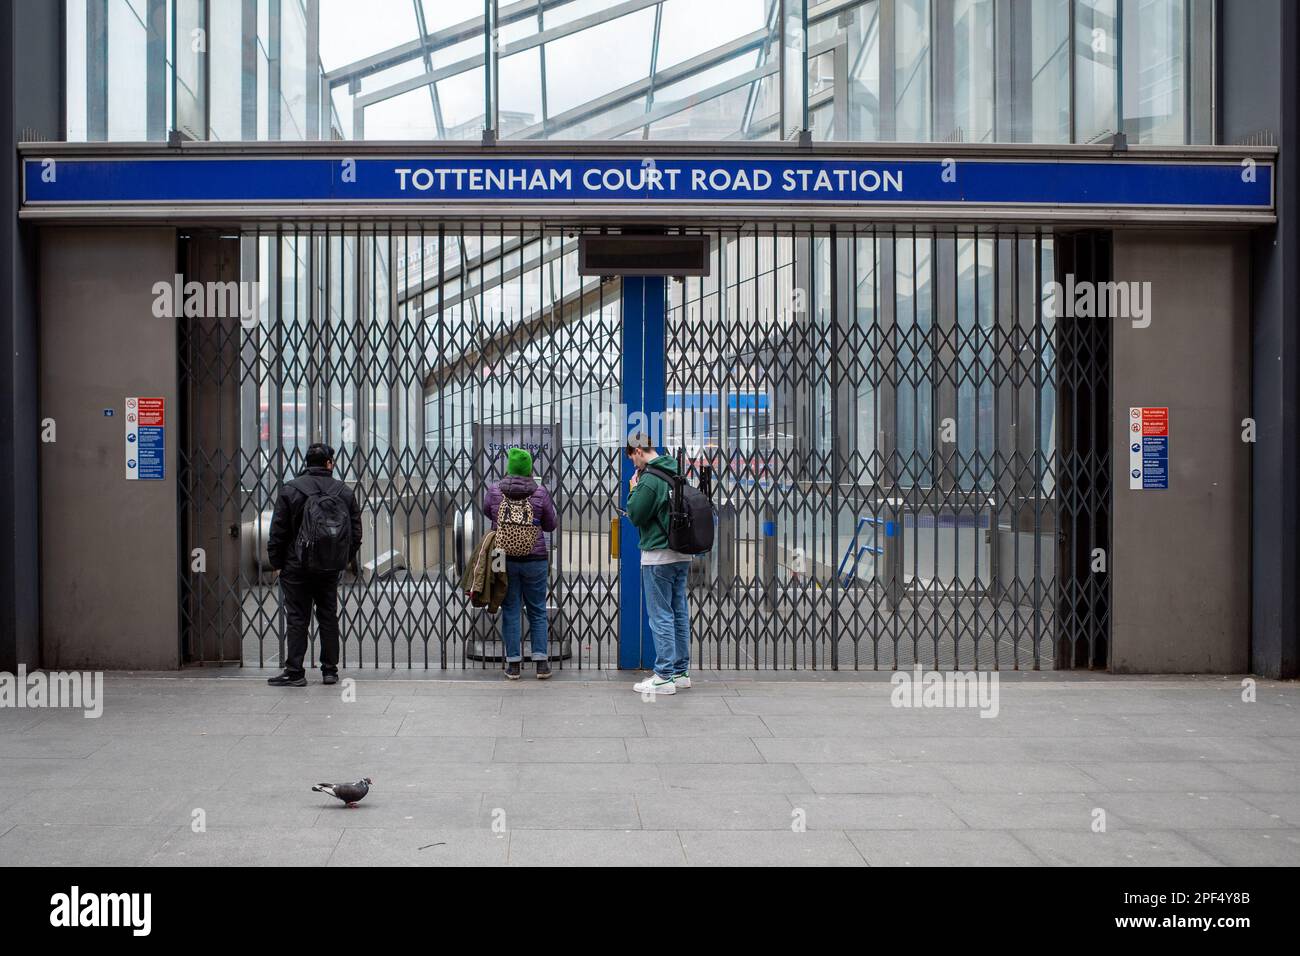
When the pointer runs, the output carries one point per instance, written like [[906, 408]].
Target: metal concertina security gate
[[909, 454]]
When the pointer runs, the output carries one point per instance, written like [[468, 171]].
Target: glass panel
[[1050, 71], [1095, 44], [1152, 81], [127, 62], [690, 28], [953, 69], [912, 71], [583, 66], [189, 69], [293, 70], [352, 31], [794, 67], [225, 53], [521, 92], [75, 66], [972, 71]]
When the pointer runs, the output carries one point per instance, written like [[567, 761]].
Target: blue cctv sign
[[1110, 184]]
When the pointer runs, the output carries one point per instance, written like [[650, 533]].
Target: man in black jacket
[[300, 588]]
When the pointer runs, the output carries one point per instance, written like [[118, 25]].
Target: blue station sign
[[519, 181]]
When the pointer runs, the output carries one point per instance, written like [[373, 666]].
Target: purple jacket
[[516, 486]]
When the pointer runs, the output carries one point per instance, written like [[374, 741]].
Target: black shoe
[[284, 680], [512, 670], [329, 678], [543, 670]]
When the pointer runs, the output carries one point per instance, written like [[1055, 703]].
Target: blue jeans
[[526, 583], [664, 586]]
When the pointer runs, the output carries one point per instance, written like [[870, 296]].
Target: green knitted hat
[[519, 462]]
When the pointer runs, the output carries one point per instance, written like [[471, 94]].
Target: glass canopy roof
[[571, 69], [972, 71]]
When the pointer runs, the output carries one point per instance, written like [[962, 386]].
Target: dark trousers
[[299, 590]]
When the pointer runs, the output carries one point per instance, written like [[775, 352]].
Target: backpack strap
[[671, 480]]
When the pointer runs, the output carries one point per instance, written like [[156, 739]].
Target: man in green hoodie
[[663, 570]]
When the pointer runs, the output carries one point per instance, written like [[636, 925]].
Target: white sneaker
[[683, 681], [654, 684]]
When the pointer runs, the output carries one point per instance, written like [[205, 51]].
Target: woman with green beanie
[[523, 515]]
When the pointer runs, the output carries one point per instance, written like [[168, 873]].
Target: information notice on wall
[[146, 454], [1148, 447]]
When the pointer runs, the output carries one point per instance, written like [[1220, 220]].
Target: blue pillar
[[644, 393]]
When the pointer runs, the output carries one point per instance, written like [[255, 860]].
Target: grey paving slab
[[1015, 777], [96, 806], [342, 723], [891, 776], [1225, 749], [401, 809], [559, 810], [824, 750], [408, 846], [945, 848], [402, 775], [363, 704], [695, 810], [875, 811], [766, 848], [1114, 848], [247, 846], [588, 777], [563, 705], [676, 705], [1186, 811], [1246, 847], [586, 771], [1032, 811], [1158, 775], [27, 745], [1214, 724], [560, 750], [465, 725], [298, 807], [688, 750], [1284, 808], [155, 772], [14, 720], [416, 750], [596, 848], [1004, 749], [461, 705], [661, 724], [146, 702], [80, 845], [582, 725], [1276, 776], [1288, 746], [796, 705], [205, 747], [29, 772], [734, 777]]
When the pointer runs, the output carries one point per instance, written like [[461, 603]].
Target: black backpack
[[324, 540], [690, 514]]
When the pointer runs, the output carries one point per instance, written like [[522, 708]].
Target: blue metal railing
[[854, 553]]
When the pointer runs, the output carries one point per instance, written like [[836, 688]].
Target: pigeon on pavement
[[349, 793]]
